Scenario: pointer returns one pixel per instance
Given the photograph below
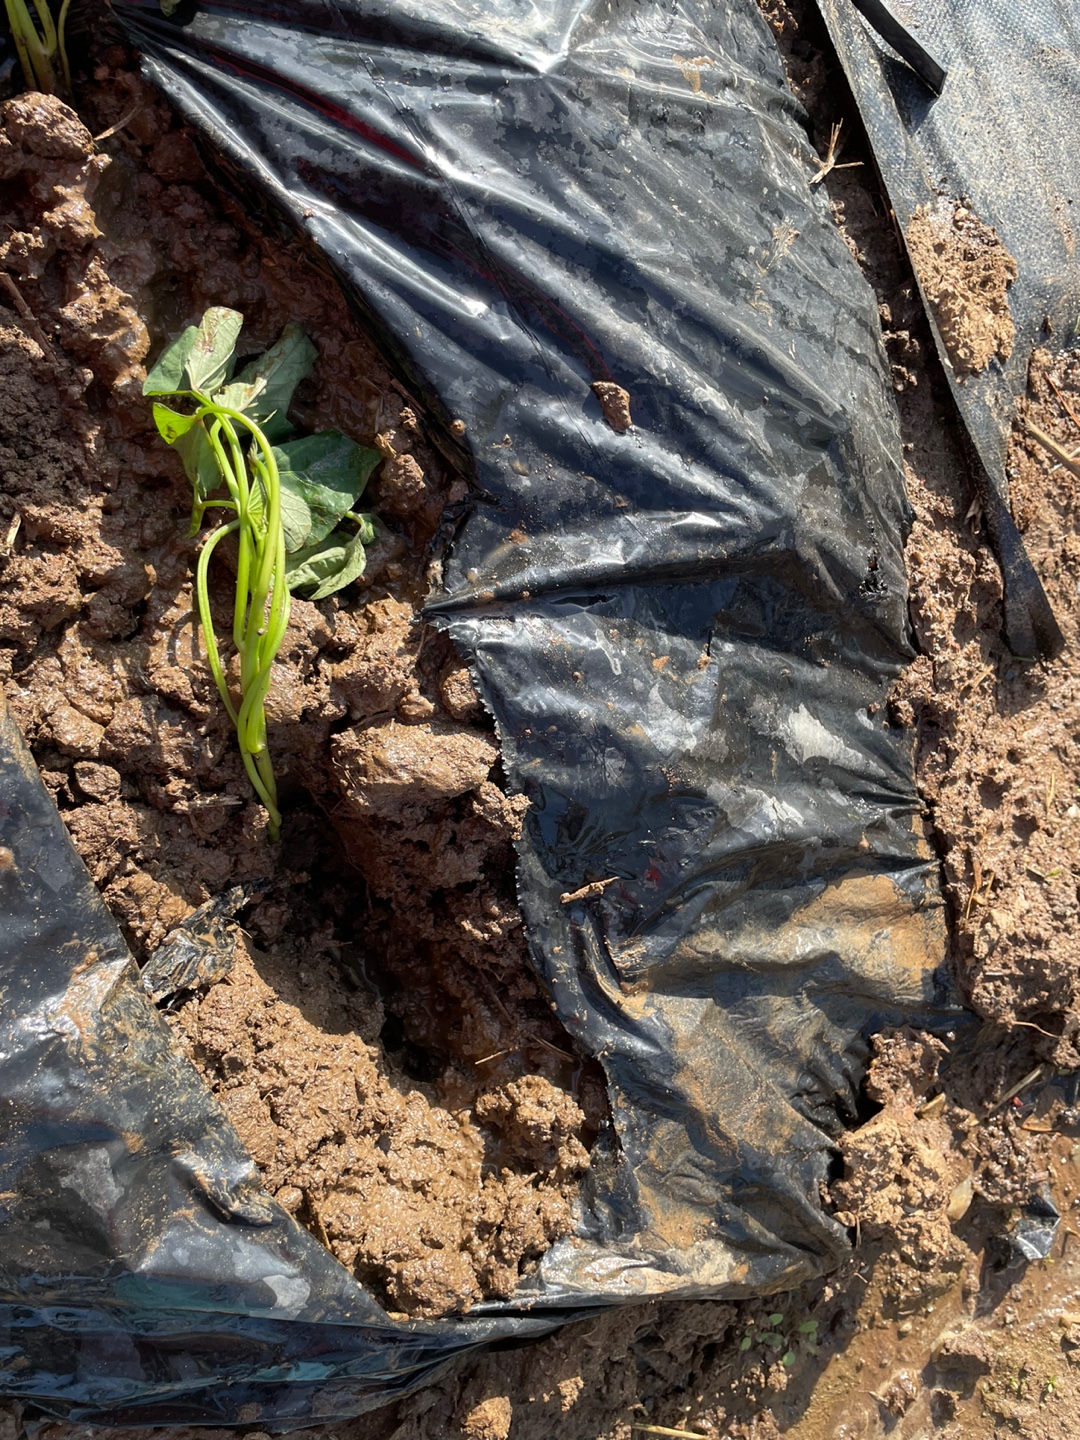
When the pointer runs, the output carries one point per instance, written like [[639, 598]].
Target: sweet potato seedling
[[286, 497]]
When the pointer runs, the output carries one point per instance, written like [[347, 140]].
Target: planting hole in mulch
[[380, 1043]]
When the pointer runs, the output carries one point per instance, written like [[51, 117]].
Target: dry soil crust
[[965, 272]]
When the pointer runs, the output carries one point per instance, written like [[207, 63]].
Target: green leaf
[[327, 472], [745, 1343], [770, 1338], [257, 502], [295, 515], [167, 376], [199, 359], [288, 361], [211, 355], [295, 520], [776, 1318], [788, 1359], [239, 394], [171, 424], [200, 462], [808, 1327], [328, 566]]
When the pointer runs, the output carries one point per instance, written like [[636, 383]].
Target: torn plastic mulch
[[557, 221], [1001, 140]]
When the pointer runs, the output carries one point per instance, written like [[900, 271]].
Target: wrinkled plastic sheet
[[686, 633], [1002, 137]]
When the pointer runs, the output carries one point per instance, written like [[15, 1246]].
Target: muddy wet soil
[[939, 1325]]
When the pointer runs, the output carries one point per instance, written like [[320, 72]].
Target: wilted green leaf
[[328, 566], [328, 472], [211, 355], [240, 394], [295, 520], [171, 424], [167, 376], [257, 503], [199, 359], [288, 361], [200, 462], [295, 516], [188, 437]]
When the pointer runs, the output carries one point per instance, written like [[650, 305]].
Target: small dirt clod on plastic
[[615, 403]]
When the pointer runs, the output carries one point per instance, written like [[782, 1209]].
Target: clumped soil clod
[[380, 1044], [433, 1205], [965, 272]]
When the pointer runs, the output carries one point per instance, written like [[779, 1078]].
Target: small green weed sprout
[[772, 1336], [40, 45], [286, 498]]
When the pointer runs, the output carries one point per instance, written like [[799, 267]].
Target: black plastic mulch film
[[1002, 138], [685, 632]]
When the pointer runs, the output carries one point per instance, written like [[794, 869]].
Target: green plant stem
[[36, 69], [245, 550], [18, 23], [262, 603], [202, 596], [37, 49], [61, 44], [235, 476], [48, 29], [268, 612]]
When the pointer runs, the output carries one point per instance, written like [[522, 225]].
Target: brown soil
[[439, 1106], [965, 272], [997, 739], [615, 403], [935, 1326], [432, 1207]]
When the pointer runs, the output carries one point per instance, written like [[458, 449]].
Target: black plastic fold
[[904, 42], [1001, 138]]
